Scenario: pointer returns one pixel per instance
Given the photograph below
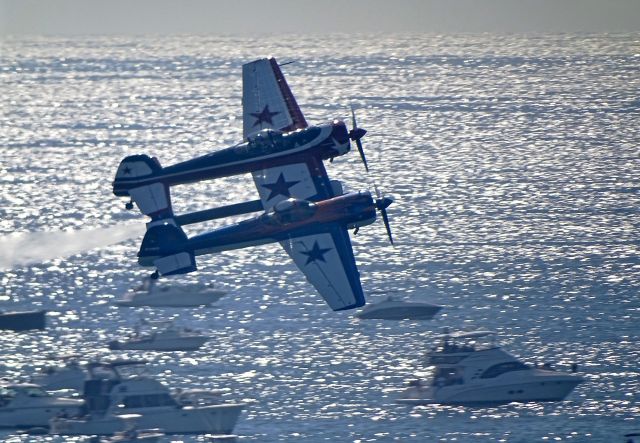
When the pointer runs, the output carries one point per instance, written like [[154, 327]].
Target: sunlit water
[[514, 162]]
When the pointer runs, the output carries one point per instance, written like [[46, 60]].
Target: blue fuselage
[[349, 210], [266, 150]]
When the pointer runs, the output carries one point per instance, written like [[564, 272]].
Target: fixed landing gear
[[129, 205], [154, 276]]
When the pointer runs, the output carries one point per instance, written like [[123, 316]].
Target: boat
[[170, 338], [69, 376], [27, 405], [468, 372], [149, 294], [23, 320], [108, 398], [394, 309]]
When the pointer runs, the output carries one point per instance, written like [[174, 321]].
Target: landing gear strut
[[129, 205]]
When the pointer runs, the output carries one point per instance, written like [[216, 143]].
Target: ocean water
[[514, 162]]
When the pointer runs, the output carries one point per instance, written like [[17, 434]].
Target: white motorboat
[[108, 399], [149, 294], [393, 309], [69, 376], [27, 405], [170, 338], [468, 373]]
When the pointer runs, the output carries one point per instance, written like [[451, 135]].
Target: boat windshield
[[33, 391], [501, 368], [148, 401]]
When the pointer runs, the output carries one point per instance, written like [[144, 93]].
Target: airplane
[[303, 209]]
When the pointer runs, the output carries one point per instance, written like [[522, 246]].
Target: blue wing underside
[[324, 255]]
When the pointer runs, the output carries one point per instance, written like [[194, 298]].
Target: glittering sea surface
[[514, 162]]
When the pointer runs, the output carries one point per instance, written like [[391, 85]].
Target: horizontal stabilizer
[[152, 199]]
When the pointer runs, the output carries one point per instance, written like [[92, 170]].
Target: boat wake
[[25, 248]]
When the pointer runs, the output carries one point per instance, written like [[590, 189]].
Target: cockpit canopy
[[292, 210], [265, 137]]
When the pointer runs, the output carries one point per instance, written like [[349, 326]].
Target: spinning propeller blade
[[382, 203], [356, 134]]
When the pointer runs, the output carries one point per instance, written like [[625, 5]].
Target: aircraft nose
[[385, 202], [357, 133], [340, 133]]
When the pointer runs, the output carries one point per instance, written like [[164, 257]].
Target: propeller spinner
[[356, 134]]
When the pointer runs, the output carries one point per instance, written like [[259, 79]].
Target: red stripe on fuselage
[[343, 210]]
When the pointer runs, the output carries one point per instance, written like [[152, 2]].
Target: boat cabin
[[458, 345], [9, 393]]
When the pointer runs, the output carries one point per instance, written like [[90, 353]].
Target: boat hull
[[522, 392], [178, 344], [214, 419], [36, 417], [400, 313]]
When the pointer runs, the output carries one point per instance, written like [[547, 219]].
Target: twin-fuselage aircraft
[[303, 209]]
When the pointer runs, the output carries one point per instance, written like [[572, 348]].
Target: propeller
[[382, 203], [356, 134]]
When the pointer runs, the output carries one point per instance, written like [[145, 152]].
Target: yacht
[[148, 294], [27, 405], [108, 398], [393, 309], [468, 372], [170, 338]]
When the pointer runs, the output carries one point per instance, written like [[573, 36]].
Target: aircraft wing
[[326, 259], [304, 178], [267, 101], [325, 256]]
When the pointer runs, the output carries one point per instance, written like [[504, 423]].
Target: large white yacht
[[187, 295], [28, 405], [169, 338], [107, 399], [466, 372], [394, 309]]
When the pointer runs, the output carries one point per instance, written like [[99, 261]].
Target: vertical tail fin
[[166, 246]]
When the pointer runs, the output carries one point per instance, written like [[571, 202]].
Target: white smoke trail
[[24, 248]]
